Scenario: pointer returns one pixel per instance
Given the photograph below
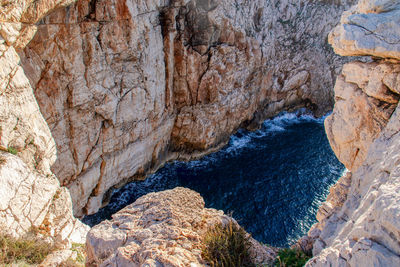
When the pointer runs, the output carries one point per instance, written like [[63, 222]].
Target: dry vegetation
[[227, 246], [23, 251]]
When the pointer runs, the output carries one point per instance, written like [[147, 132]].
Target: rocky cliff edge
[[359, 223]]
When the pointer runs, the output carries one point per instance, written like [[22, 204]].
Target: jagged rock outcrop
[[370, 28], [366, 95], [365, 230], [358, 225], [125, 85], [31, 198], [160, 229]]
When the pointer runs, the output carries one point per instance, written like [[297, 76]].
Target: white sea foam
[[238, 142], [270, 127]]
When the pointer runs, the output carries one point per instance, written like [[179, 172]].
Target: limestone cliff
[[359, 224], [30, 194], [126, 85]]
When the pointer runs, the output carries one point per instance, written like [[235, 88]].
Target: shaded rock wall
[[125, 85]]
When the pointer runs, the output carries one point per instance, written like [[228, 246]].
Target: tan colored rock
[[30, 201], [57, 258], [365, 230], [229, 73], [160, 229], [31, 197], [126, 85], [370, 28], [28, 11], [99, 78], [366, 95], [359, 225]]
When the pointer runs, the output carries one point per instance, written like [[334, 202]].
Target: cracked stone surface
[[30, 200], [366, 95], [369, 28], [365, 230], [125, 85], [160, 229], [358, 225], [30, 194]]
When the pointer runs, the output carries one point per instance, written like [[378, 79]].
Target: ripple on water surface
[[272, 180]]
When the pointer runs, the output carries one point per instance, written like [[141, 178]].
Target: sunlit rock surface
[[370, 28], [160, 229], [359, 224], [31, 198], [365, 230], [366, 95], [125, 85]]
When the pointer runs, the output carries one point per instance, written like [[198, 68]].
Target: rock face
[[366, 95], [160, 229], [365, 230], [359, 225], [34, 201], [125, 85], [98, 71], [31, 197], [370, 28]]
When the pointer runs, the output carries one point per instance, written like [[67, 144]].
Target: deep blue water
[[272, 180]]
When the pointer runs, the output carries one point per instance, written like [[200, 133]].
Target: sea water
[[272, 180]]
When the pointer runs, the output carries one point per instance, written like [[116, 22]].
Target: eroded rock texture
[[365, 230], [359, 224], [160, 229], [366, 95], [125, 85], [370, 28], [98, 71], [31, 196]]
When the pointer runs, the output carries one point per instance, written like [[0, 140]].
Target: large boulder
[[160, 229]]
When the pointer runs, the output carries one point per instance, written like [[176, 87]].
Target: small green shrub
[[80, 251], [80, 259], [12, 150], [227, 246], [291, 258], [26, 250]]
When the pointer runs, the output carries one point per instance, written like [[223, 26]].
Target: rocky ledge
[[160, 229], [359, 224]]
